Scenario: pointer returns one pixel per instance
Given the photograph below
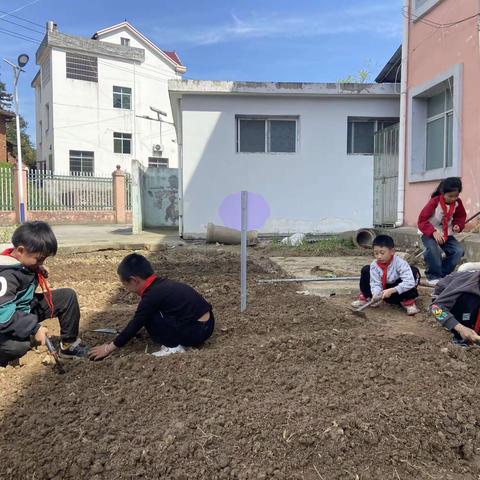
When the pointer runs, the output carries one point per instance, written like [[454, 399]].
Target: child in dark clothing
[[456, 306], [21, 309], [389, 278], [441, 217], [173, 313]]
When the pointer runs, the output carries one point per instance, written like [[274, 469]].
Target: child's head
[[450, 188], [133, 270], [33, 242], [383, 248]]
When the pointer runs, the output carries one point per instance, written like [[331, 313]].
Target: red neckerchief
[[446, 215], [147, 283], [384, 267], [42, 282]]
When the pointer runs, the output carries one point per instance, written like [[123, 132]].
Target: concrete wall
[[83, 117], [431, 52], [317, 189]]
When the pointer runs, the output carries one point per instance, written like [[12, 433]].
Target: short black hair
[[383, 241], [36, 237], [134, 265]]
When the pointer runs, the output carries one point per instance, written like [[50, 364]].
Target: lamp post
[[22, 61]]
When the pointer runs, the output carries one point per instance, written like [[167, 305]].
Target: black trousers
[[67, 310], [395, 299], [465, 311], [166, 331]]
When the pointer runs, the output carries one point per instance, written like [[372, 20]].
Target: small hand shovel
[[111, 331], [359, 312]]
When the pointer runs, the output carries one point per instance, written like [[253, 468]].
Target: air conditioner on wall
[[157, 148]]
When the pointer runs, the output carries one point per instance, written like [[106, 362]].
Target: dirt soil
[[297, 388]]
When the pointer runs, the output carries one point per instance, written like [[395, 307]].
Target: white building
[[101, 102], [304, 150]]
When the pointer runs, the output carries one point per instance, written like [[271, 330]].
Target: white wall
[[318, 189], [84, 117]]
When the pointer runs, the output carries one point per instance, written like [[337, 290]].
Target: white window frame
[[375, 129], [122, 95], [123, 136], [161, 162], [267, 119], [417, 126], [80, 157], [419, 12]]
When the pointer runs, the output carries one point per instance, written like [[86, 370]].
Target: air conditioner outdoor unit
[[157, 148]]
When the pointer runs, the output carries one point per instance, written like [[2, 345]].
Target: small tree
[[28, 150]]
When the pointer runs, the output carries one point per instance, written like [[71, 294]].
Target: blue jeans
[[438, 267]]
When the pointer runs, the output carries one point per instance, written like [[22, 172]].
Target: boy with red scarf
[[441, 217], [21, 309], [389, 278]]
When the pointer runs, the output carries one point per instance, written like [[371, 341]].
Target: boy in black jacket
[[456, 306], [173, 313], [21, 309]]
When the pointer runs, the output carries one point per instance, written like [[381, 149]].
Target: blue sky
[[260, 40]]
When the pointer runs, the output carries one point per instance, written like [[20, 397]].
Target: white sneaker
[[165, 351], [411, 309], [433, 282]]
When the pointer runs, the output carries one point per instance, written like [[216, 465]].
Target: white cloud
[[377, 19]]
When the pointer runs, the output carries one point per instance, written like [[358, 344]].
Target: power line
[[21, 18], [21, 26], [20, 36]]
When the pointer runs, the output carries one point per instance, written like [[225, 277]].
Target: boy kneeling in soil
[[456, 306], [389, 278], [173, 313], [21, 309]]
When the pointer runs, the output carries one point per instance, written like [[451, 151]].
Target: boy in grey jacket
[[389, 278], [456, 306]]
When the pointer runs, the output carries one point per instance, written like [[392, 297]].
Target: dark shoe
[[75, 350]]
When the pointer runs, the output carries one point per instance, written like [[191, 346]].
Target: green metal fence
[[74, 191], [6, 189]]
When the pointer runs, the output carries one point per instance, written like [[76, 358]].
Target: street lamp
[[22, 60]]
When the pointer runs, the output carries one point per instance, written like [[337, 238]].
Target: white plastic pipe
[[402, 147]]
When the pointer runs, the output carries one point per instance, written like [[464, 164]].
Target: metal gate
[[385, 176]]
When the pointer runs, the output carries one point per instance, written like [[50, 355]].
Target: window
[[122, 142], [434, 129], [272, 135], [439, 130], [81, 162], [421, 7], [157, 162], [82, 67], [46, 71], [47, 117], [122, 97], [125, 41], [361, 132]]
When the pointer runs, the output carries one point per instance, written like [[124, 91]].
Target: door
[[385, 177]]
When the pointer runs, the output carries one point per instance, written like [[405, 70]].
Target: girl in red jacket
[[441, 217]]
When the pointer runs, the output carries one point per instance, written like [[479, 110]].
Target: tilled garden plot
[[297, 388]]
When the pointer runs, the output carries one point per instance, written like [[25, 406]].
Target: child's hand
[[456, 229], [467, 334], [438, 237], [101, 351], [41, 334], [388, 293]]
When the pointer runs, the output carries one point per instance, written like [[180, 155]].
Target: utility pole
[[22, 61]]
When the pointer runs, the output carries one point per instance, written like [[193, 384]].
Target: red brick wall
[[7, 218]]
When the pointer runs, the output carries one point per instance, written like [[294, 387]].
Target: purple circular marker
[[258, 211]]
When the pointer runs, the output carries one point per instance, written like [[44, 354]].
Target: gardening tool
[[53, 352], [111, 331], [359, 312], [309, 279]]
